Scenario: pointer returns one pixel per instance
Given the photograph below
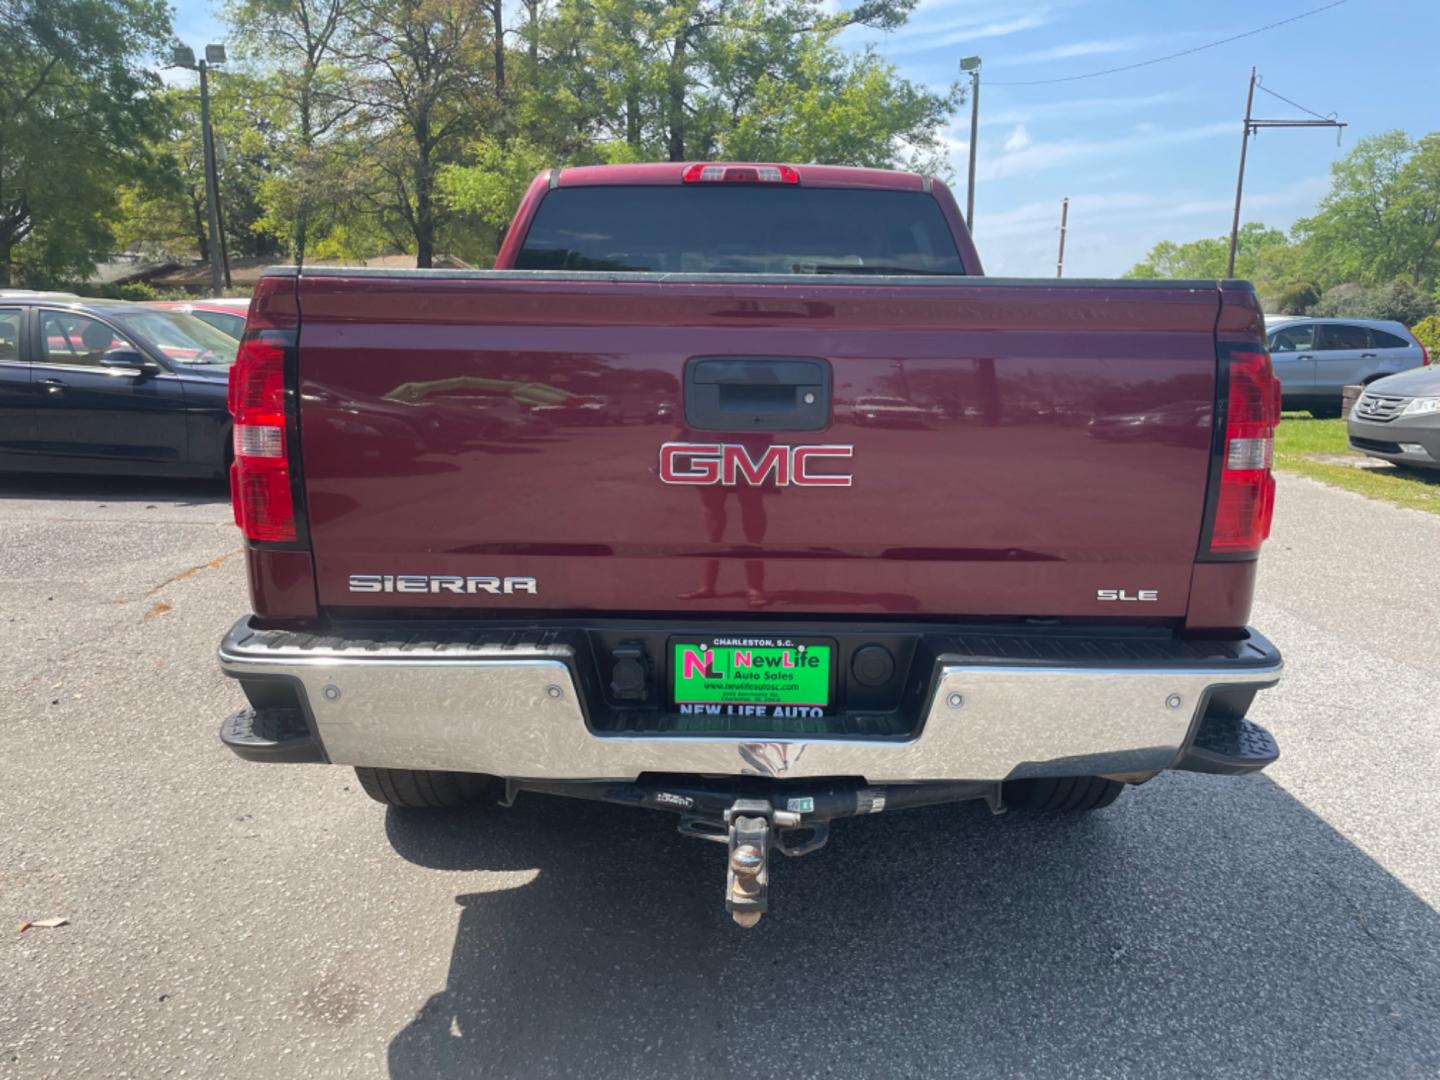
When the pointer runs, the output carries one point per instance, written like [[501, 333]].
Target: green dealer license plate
[[752, 676]]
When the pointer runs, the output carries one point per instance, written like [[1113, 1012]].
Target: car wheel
[[1061, 794], [419, 789]]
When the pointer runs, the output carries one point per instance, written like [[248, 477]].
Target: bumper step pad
[[1229, 746], [277, 735]]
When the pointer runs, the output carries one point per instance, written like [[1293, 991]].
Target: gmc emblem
[[730, 465]]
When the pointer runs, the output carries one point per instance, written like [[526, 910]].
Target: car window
[[1293, 338], [183, 338], [1342, 336], [10, 321], [1382, 340], [233, 325], [70, 338]]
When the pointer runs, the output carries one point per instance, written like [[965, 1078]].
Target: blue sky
[[1150, 154]]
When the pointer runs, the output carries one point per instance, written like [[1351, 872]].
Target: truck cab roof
[[671, 173]]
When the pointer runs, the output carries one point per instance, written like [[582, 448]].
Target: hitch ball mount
[[752, 818], [754, 827]]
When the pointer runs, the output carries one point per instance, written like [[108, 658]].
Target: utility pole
[[1240, 181], [184, 56], [1252, 127], [1064, 218], [972, 65]]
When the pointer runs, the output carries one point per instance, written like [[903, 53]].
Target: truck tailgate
[[1015, 449]]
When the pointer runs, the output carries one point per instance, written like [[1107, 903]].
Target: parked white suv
[[1315, 359]]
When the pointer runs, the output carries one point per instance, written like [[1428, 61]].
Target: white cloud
[[1078, 48], [1037, 156], [1072, 107], [927, 7], [960, 32], [1017, 140]]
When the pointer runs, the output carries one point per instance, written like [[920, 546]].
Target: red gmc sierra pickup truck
[[737, 491]]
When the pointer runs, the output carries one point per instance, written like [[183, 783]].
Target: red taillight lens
[[1246, 500], [1424, 356], [260, 478], [740, 174]]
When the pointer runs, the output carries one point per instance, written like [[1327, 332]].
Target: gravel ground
[[234, 920]]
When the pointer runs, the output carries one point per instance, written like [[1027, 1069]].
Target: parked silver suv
[[1315, 359]]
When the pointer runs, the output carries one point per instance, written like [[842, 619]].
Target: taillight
[[1246, 499], [1424, 355], [260, 476], [740, 174]]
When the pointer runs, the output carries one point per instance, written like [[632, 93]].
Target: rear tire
[[418, 789], [1061, 794]]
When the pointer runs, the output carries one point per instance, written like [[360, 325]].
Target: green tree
[[162, 213], [1207, 258], [309, 91], [425, 83], [1427, 332], [248, 139], [1398, 300], [1294, 299], [637, 80], [1381, 217], [701, 78], [71, 81], [1287, 276], [490, 187], [840, 108]]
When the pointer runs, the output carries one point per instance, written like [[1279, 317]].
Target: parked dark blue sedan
[[98, 386]]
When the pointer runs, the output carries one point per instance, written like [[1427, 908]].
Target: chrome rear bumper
[[514, 709]]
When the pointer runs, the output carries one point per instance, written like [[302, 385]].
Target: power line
[[1177, 55]]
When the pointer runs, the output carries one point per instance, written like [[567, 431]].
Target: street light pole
[[184, 57], [212, 207], [972, 65], [220, 198]]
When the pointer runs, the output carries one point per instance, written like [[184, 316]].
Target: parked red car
[[226, 314]]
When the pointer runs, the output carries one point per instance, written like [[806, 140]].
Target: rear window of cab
[[744, 229]]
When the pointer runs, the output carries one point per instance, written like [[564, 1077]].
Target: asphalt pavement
[[238, 920]]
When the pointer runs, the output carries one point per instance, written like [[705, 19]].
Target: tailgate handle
[[757, 393]]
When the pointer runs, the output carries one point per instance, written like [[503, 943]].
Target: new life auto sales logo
[[731, 465]]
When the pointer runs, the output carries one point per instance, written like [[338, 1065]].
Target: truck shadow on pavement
[[115, 489], [1201, 925]]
